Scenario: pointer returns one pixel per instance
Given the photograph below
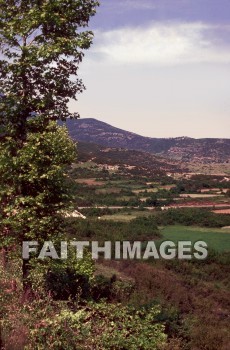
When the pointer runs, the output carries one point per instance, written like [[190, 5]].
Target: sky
[[159, 68]]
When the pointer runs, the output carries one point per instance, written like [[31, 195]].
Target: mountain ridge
[[183, 148]]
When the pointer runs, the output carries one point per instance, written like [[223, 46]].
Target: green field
[[217, 239], [126, 216]]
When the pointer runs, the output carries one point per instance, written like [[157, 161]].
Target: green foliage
[[42, 44], [111, 289], [34, 185], [98, 326], [65, 284], [102, 288], [139, 229], [153, 200], [198, 182], [192, 216], [63, 279]]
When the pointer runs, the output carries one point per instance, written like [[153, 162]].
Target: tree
[[41, 46], [34, 190]]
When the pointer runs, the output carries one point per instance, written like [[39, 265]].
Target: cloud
[[160, 44], [123, 5]]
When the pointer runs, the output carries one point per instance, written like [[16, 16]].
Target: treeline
[[139, 229], [198, 182], [192, 216], [184, 216]]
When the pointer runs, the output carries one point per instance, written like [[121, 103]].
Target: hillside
[[208, 150], [132, 160]]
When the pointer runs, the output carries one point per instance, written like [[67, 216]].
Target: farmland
[[129, 203], [123, 204], [216, 239]]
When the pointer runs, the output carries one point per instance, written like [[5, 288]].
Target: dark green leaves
[[42, 44]]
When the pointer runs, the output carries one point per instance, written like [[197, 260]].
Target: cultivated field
[[216, 239]]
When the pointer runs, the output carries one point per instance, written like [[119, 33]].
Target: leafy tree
[[36, 174], [63, 279], [41, 46]]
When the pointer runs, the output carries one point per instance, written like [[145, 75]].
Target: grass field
[[199, 195], [126, 216], [217, 239], [85, 165], [147, 190], [131, 184], [91, 182], [108, 190]]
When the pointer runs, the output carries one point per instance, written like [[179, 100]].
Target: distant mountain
[[186, 149]]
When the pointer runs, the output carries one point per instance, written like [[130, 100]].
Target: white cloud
[[164, 44]]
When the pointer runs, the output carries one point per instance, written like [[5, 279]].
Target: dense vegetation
[[192, 216], [71, 301]]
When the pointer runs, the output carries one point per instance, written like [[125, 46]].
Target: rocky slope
[[208, 150]]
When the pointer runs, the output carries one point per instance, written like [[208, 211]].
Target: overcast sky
[[160, 68]]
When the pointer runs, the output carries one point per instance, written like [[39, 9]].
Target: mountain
[[186, 149]]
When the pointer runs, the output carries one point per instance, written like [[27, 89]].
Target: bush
[[100, 327], [102, 288], [66, 283]]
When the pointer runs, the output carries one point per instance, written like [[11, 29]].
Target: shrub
[[67, 283], [100, 327]]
